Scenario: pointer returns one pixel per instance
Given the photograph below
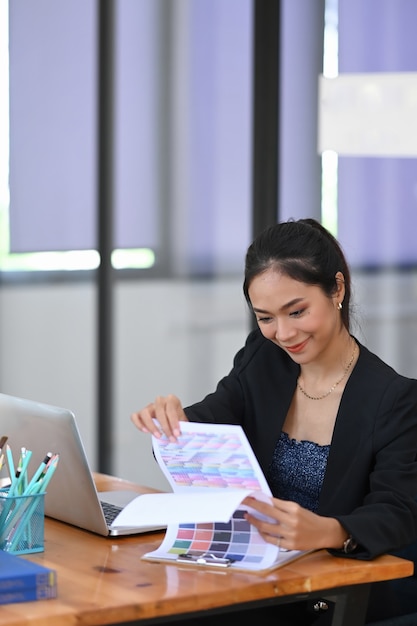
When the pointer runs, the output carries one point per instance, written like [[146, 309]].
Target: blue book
[[23, 581]]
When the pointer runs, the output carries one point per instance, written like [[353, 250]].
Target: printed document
[[211, 469]]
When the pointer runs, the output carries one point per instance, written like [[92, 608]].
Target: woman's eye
[[263, 320], [297, 313]]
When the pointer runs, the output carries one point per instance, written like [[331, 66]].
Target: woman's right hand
[[169, 413]]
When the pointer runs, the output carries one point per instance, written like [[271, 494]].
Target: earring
[[339, 306]]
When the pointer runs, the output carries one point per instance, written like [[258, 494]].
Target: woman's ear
[[340, 287]]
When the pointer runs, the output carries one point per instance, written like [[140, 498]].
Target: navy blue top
[[297, 471]]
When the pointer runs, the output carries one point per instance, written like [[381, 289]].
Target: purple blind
[[53, 170], [377, 197], [183, 127]]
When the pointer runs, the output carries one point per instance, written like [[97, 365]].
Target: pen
[[49, 472], [10, 463], [6, 508], [32, 484], [3, 441], [24, 479], [19, 467], [18, 486]]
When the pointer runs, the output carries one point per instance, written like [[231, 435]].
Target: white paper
[[153, 509], [210, 469]]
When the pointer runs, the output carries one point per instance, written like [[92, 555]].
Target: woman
[[333, 427]]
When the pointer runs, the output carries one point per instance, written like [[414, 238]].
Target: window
[[182, 128]]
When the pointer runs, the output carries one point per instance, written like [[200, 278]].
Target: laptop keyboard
[[110, 511]]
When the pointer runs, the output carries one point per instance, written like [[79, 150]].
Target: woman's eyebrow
[[292, 303], [286, 306]]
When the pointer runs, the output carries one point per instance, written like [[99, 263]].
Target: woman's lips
[[297, 348]]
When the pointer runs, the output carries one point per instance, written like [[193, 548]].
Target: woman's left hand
[[294, 528]]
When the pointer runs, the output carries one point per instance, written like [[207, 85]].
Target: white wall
[[48, 344]]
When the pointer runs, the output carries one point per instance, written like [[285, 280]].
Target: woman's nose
[[283, 330]]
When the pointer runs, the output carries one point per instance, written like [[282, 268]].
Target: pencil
[[3, 441]]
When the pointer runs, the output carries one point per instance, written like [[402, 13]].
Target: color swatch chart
[[235, 541], [213, 457], [208, 455], [232, 540]]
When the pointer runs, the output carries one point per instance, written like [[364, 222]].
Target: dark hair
[[304, 250]]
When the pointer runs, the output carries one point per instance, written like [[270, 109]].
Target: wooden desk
[[103, 581]]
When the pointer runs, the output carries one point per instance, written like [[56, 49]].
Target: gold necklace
[[347, 368]]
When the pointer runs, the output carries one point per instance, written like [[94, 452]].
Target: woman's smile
[[299, 347]]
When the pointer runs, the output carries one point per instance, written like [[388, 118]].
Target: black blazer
[[370, 483]]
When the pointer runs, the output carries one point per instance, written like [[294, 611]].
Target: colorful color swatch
[[233, 540], [218, 457], [208, 459]]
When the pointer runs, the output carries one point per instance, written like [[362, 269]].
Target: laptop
[[71, 495]]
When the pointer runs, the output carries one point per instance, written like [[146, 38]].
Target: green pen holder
[[22, 523]]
